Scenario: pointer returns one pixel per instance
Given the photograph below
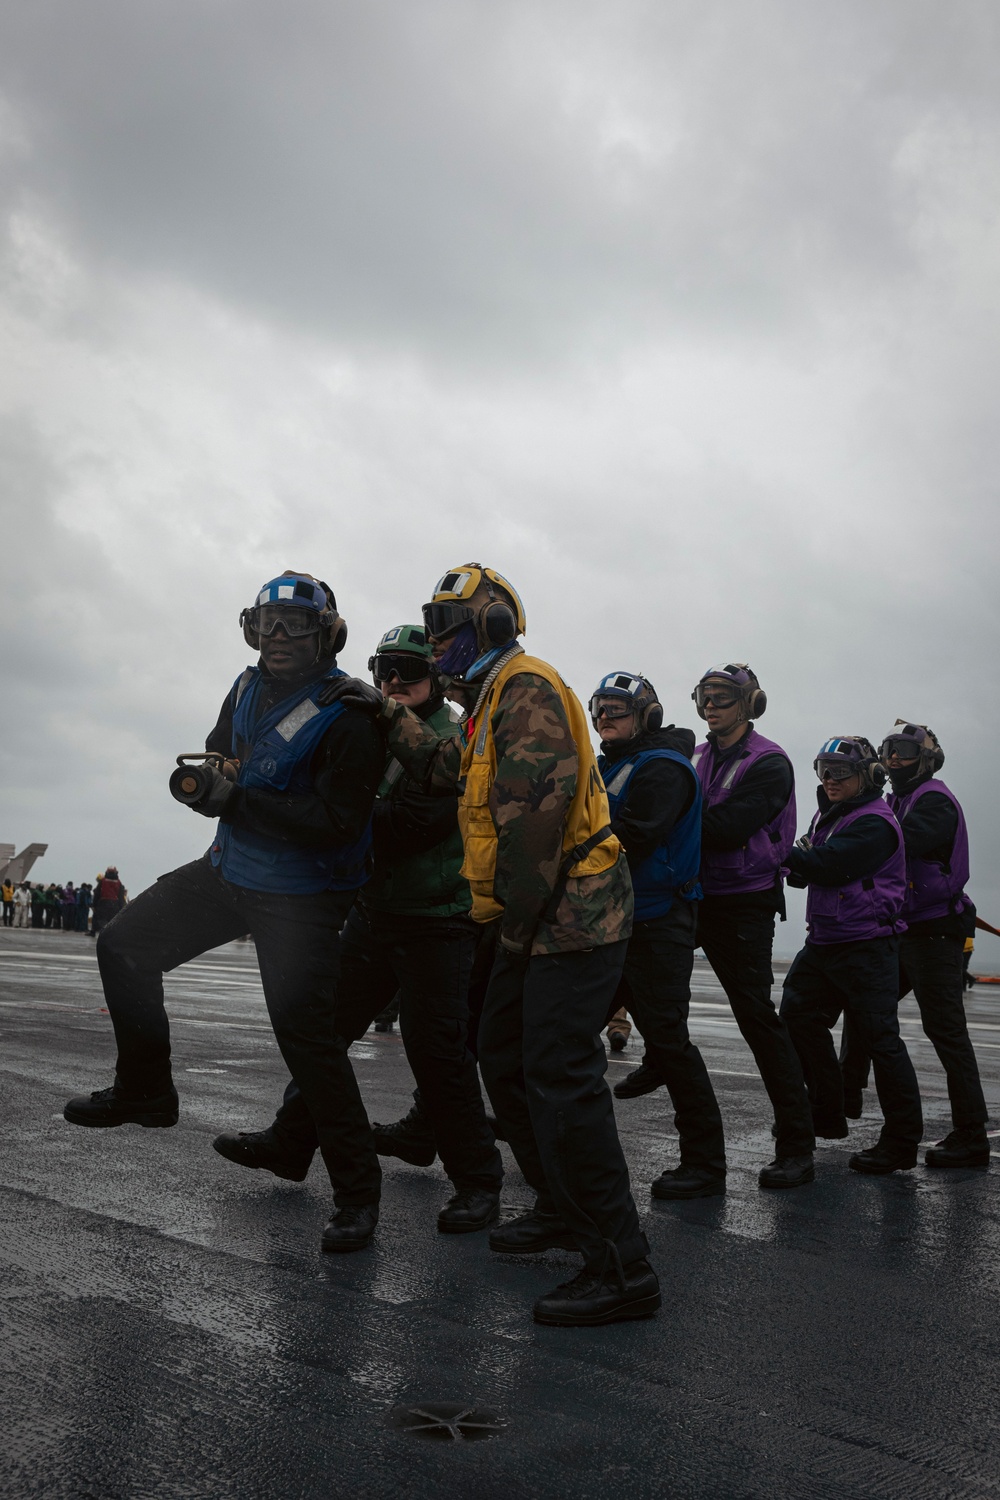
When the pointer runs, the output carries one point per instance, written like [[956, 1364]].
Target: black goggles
[[715, 697], [611, 708], [400, 664], [899, 745], [836, 770], [444, 619], [265, 619]]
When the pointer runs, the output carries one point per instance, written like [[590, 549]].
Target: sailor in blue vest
[[294, 799], [655, 800]]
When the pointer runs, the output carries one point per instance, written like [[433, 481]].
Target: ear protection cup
[[338, 633], [879, 774], [652, 716], [497, 622], [756, 703], [249, 634]]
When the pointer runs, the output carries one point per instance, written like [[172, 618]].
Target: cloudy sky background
[[683, 315]]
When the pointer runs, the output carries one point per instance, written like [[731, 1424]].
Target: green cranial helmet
[[403, 652], [405, 638]]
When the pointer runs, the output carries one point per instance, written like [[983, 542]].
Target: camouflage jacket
[[529, 801]]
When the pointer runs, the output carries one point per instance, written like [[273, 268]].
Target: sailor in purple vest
[[747, 830], [654, 799], [294, 799], [854, 867], [939, 918]]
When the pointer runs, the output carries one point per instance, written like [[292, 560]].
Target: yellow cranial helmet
[[480, 595]]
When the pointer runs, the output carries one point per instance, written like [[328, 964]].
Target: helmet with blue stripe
[[627, 693], [848, 754], [301, 605]]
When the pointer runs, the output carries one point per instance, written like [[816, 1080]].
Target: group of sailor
[[517, 891]]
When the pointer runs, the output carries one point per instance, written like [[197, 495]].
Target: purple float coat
[[869, 907], [933, 889], [732, 872]]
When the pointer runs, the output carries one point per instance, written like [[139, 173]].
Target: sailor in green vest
[[410, 931]]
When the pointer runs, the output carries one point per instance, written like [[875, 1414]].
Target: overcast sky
[[682, 314]]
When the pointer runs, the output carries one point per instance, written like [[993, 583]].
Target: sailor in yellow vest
[[541, 861]]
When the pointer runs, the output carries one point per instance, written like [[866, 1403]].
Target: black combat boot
[[530, 1233], [609, 1293], [109, 1107], [688, 1182], [470, 1209], [961, 1148], [351, 1228], [260, 1148], [411, 1139], [617, 1041], [643, 1081], [787, 1172], [887, 1155]]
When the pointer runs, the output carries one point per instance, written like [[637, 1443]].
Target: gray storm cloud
[[683, 315]]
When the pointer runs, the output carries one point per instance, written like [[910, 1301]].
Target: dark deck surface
[[170, 1327]]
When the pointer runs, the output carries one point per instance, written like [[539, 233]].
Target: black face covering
[[904, 778]]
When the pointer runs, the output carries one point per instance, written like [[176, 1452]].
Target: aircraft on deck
[[15, 867]]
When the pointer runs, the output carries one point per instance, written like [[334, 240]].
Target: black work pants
[[862, 980], [8, 914], [932, 967], [738, 946], [106, 910], [657, 992], [543, 1064], [428, 961], [297, 941]]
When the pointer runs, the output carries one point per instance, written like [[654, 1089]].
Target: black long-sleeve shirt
[[660, 793], [858, 851], [346, 769]]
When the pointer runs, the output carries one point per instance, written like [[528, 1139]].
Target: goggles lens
[[611, 708], [402, 664], [715, 696], [265, 619], [897, 744], [444, 619], [835, 770]]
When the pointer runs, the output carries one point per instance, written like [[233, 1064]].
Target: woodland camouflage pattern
[[529, 800]]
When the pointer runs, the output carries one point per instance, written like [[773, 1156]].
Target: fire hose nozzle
[[189, 783]]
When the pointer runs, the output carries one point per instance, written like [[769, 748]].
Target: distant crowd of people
[[66, 908]]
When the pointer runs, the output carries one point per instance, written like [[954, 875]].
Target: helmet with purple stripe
[[742, 683], [907, 741]]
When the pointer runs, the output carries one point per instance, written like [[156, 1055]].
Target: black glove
[[352, 693], [216, 799]]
